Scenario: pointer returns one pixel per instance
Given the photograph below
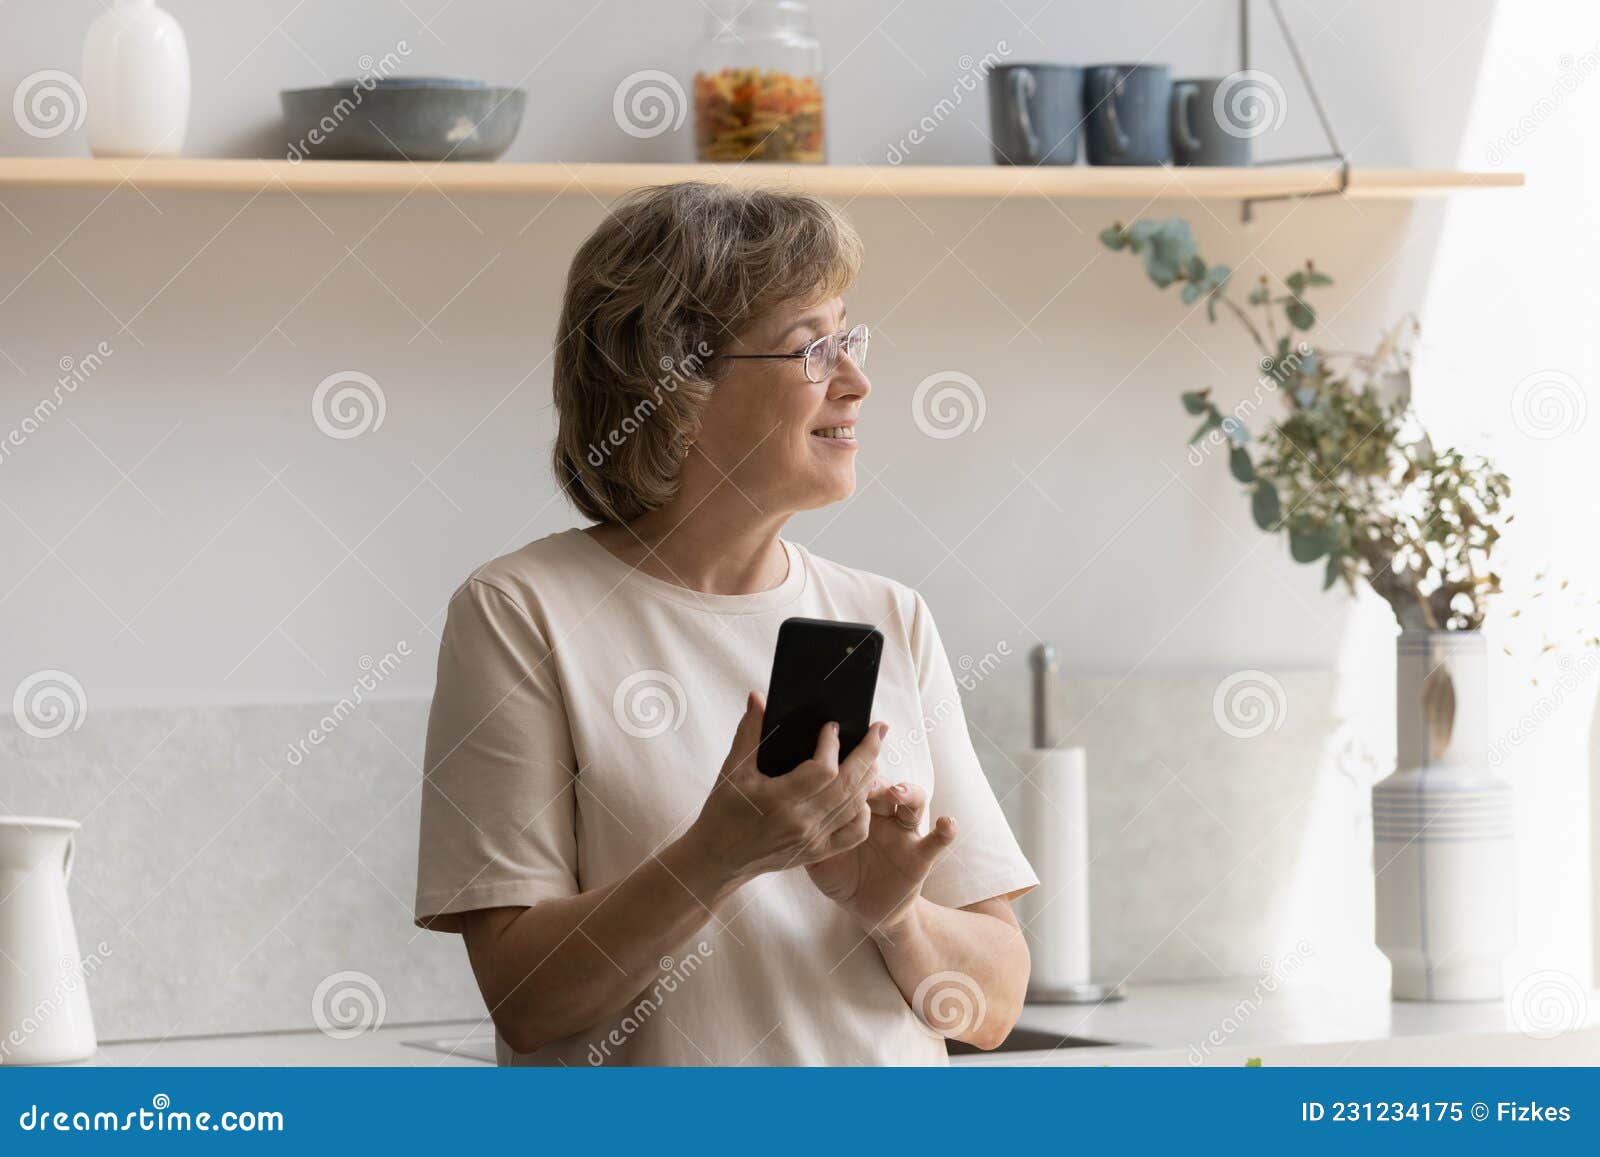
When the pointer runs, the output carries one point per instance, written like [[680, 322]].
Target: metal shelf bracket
[[1334, 153]]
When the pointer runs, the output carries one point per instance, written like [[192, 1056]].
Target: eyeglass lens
[[823, 357]]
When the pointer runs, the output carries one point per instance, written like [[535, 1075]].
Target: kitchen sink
[[479, 1046], [1026, 1040]]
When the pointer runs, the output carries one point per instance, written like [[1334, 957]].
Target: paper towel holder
[[1043, 661], [1092, 993]]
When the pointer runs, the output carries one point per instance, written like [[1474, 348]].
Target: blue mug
[[1202, 132], [1129, 110], [1034, 113]]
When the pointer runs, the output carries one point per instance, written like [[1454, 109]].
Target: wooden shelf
[[845, 181]]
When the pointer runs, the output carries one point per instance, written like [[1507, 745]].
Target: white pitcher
[[44, 1006]]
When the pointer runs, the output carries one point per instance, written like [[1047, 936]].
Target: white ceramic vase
[[1442, 829], [136, 81]]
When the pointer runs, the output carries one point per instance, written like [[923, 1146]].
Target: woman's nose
[[849, 380]]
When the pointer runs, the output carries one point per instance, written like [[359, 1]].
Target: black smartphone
[[822, 671]]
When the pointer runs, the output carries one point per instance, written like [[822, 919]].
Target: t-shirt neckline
[[758, 601]]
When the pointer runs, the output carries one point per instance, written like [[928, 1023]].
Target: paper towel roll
[[1053, 829]]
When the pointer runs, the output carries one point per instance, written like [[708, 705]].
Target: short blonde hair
[[667, 281]]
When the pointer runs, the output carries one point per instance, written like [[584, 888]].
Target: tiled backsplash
[[1216, 850], [228, 884]]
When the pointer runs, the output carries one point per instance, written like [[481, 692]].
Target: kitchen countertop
[[384, 1047], [1224, 1022], [1228, 1022]]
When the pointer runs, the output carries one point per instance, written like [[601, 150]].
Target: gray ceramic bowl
[[402, 118]]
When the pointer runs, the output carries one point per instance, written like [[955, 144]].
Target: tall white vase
[[1442, 829], [136, 81]]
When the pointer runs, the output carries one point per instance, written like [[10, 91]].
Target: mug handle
[[1117, 141], [66, 860], [1185, 92], [1022, 85]]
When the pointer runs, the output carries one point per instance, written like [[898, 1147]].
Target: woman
[[625, 899]]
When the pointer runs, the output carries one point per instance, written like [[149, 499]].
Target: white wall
[[888, 63], [235, 310], [1512, 365], [251, 558]]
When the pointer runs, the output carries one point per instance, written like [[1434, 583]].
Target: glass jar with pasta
[[758, 85]]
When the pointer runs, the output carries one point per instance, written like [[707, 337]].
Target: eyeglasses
[[822, 356]]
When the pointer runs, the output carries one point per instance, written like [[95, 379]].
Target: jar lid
[[761, 17]]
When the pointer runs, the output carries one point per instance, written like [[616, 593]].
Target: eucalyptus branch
[[1244, 320], [1346, 472], [1272, 326]]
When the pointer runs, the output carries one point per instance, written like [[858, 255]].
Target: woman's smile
[[838, 437]]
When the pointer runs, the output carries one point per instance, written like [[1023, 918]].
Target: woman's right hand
[[754, 823]]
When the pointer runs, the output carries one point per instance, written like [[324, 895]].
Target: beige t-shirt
[[582, 712]]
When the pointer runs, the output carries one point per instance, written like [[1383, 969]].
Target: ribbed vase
[[1442, 829]]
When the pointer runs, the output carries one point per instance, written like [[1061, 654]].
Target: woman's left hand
[[878, 881]]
